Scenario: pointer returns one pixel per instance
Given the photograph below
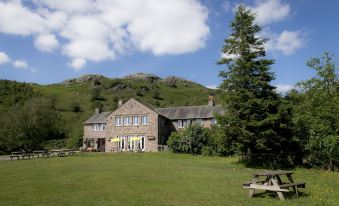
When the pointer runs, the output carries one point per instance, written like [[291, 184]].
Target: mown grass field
[[147, 179]]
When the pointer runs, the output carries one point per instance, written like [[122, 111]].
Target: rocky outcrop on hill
[[94, 79], [142, 76]]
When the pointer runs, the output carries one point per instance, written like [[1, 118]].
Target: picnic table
[[57, 152], [43, 153], [21, 154], [272, 182], [62, 152]]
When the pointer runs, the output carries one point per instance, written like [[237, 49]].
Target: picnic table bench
[[273, 183], [43, 153], [21, 154]]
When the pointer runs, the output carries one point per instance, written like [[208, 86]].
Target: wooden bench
[[273, 183], [29, 155], [71, 153], [295, 184], [16, 155], [247, 184]]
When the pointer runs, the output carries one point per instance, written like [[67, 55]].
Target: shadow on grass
[[287, 195]]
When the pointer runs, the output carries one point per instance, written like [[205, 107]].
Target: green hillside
[[75, 99]]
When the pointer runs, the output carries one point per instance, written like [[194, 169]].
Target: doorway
[[101, 144]]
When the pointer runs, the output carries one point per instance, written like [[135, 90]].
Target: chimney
[[211, 101], [119, 102], [97, 110]]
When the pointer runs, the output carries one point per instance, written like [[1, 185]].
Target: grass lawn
[[147, 179]]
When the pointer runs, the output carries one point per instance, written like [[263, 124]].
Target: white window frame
[[121, 144], [102, 127], [142, 143], [129, 121], [142, 120], [180, 123], [199, 121], [118, 121], [96, 127], [137, 118], [130, 143]]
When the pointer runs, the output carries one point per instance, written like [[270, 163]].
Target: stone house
[[136, 126]]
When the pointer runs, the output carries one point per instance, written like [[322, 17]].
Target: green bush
[[189, 141]]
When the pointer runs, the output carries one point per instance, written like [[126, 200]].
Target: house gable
[[131, 107]]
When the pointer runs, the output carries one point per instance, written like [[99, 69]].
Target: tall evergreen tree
[[251, 104]]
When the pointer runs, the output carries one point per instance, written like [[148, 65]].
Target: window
[[121, 144], [180, 124], [127, 121], [199, 121], [118, 121], [141, 143], [135, 120], [214, 121], [144, 120], [184, 123], [98, 127], [130, 145]]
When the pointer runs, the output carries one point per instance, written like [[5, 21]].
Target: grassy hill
[[75, 99]]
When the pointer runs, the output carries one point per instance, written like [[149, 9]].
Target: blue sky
[[48, 41]]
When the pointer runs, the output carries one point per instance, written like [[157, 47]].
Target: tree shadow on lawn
[[287, 195]]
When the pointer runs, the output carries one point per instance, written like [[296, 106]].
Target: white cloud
[[269, 11], [103, 30], [81, 6], [214, 86], [21, 64], [46, 42], [77, 63], [287, 42], [230, 56], [17, 19], [170, 27], [284, 88], [4, 58]]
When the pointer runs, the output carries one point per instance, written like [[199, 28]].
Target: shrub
[[190, 141]]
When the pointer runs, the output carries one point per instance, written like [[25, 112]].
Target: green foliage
[[28, 126], [75, 107], [14, 93], [253, 118], [190, 140], [95, 94], [316, 112], [219, 144]]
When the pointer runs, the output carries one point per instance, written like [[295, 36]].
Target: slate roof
[[191, 112], [98, 118]]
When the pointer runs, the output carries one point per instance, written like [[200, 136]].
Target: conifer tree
[[251, 103]]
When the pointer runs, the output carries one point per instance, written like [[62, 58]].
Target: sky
[[48, 41]]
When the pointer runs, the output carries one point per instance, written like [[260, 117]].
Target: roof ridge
[[188, 106]]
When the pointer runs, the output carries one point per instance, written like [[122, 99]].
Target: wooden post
[[276, 185], [254, 181]]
